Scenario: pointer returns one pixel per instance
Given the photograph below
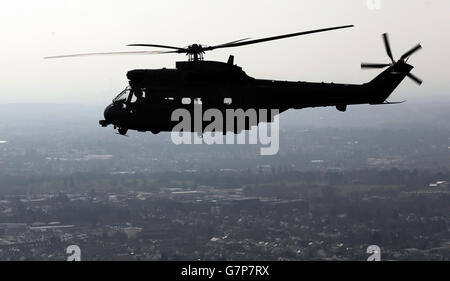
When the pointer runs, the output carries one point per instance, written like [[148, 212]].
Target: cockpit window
[[123, 96], [139, 95], [131, 95]]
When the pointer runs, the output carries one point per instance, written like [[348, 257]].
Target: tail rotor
[[403, 59]]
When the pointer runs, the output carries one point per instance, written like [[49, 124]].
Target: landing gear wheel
[[155, 132], [123, 131]]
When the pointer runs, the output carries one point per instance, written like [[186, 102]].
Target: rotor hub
[[195, 52]]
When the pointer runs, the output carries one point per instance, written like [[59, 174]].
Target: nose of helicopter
[[108, 113], [112, 113]]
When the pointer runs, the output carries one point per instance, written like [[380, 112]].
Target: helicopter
[[152, 95]]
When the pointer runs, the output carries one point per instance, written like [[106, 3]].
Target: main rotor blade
[[157, 46], [237, 44], [388, 46], [415, 78], [410, 52], [236, 41], [111, 53], [374, 65]]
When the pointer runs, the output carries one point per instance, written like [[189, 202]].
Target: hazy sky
[[31, 30]]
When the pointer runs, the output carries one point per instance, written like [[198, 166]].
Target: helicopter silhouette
[[153, 95]]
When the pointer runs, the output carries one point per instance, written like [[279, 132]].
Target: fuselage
[[153, 95]]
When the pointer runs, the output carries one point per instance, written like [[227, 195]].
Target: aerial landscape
[[329, 194]]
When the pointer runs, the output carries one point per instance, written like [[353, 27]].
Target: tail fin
[[382, 86]]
